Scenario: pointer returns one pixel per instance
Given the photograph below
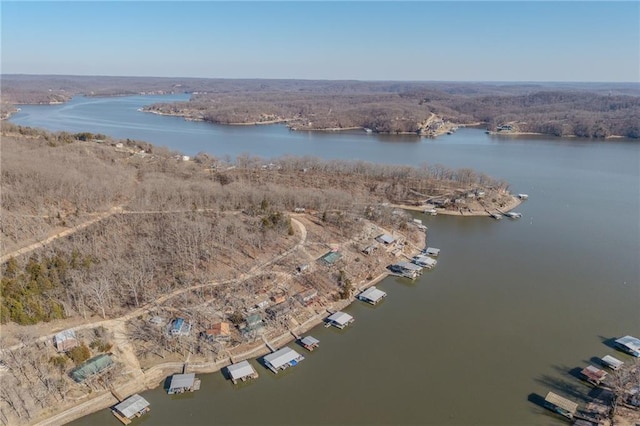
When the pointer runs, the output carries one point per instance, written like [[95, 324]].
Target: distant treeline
[[593, 110]]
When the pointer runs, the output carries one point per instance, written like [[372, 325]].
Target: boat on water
[[523, 196], [513, 215], [496, 216]]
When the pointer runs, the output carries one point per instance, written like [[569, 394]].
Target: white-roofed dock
[[310, 343], [629, 344], [282, 359], [134, 406], [183, 382], [611, 362], [372, 295], [241, 371], [339, 320]]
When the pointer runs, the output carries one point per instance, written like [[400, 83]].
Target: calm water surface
[[510, 309]]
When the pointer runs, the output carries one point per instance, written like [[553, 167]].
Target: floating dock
[[339, 320], [282, 359], [134, 406], [241, 371], [181, 383], [372, 295], [310, 343]]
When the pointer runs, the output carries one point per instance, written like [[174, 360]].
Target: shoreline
[[513, 203], [154, 376]]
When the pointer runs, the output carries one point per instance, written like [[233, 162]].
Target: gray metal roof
[[64, 335], [310, 341], [282, 357], [611, 361], [340, 318], [409, 266], [373, 294], [386, 238], [182, 380], [240, 370], [132, 405], [432, 251], [630, 342]]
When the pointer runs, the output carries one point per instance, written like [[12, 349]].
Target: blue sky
[[454, 40]]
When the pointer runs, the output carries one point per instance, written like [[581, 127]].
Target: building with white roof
[[372, 295], [134, 406], [340, 319], [629, 344], [282, 359], [241, 371]]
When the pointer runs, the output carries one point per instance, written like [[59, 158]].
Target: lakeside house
[[254, 322], [220, 331], [179, 327], [385, 239], [183, 383], [340, 320], [306, 297], [134, 406], [91, 367], [65, 340], [372, 295], [560, 405], [629, 344], [330, 258], [611, 362], [282, 359], [310, 343], [241, 371]]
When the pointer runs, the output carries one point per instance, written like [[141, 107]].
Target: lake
[[510, 309]]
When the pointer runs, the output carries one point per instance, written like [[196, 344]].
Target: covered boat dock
[[310, 343], [282, 359], [629, 344], [372, 295], [183, 383], [560, 405], [241, 371], [340, 320], [134, 406]]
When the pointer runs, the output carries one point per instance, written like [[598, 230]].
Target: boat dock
[[241, 371], [310, 343], [186, 382]]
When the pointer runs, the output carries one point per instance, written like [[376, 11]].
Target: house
[[279, 311], [339, 320], [241, 371], [183, 383], [134, 406], [330, 258], [65, 340], [282, 359], [372, 295], [306, 297], [385, 239], [369, 249], [254, 322], [91, 367], [629, 344], [302, 268], [220, 331], [279, 298], [179, 327]]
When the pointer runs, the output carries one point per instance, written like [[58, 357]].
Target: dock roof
[[594, 373], [341, 318], [409, 266], [561, 402], [612, 362], [432, 251], [182, 380], [241, 369], [132, 405], [282, 357], [373, 294], [310, 341], [631, 343]]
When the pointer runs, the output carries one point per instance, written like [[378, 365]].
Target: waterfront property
[[372, 295], [220, 331], [339, 320], [65, 340], [593, 375], [310, 343], [134, 406], [424, 261], [432, 251], [183, 383], [560, 405], [611, 362], [385, 239], [241, 371], [91, 367], [282, 359], [629, 344]]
